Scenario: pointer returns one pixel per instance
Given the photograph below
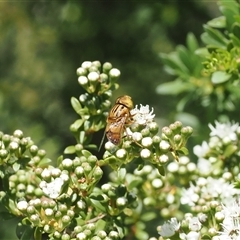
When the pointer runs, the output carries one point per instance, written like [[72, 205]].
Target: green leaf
[[161, 170], [202, 52], [122, 174], [134, 183], [229, 9], [173, 88], [219, 22], [220, 77], [236, 30], [98, 205], [148, 216], [24, 232], [6, 216], [230, 150], [38, 234], [183, 151], [86, 153], [76, 105], [44, 162], [173, 64], [192, 42], [214, 37], [70, 150], [185, 57], [235, 40], [77, 124], [16, 167]]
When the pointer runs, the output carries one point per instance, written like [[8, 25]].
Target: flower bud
[[18, 134], [163, 159], [167, 132], [164, 145], [81, 71], [121, 153], [121, 202], [147, 142], [86, 64], [145, 153]]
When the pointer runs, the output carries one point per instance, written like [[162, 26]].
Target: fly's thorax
[[125, 101]]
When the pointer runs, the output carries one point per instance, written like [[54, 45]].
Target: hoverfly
[[118, 117]]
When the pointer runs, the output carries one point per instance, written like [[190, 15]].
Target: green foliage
[[66, 201], [209, 74]]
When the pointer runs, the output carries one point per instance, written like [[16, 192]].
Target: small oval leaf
[[220, 77]]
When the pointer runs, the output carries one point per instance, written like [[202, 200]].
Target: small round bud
[[13, 146], [65, 236], [164, 145], [167, 132], [81, 204], [121, 202], [22, 205], [86, 64], [186, 131], [121, 153], [145, 153], [107, 67], [103, 77], [6, 138], [114, 73], [102, 234], [145, 132], [66, 219], [34, 218], [41, 153], [113, 234], [83, 98], [219, 216], [163, 159], [33, 149], [81, 71], [156, 139], [137, 136], [81, 236], [98, 172], [157, 183], [31, 209], [177, 138], [79, 171], [147, 142], [67, 163], [153, 127], [46, 174], [106, 187], [3, 153], [18, 134], [48, 212], [93, 76]]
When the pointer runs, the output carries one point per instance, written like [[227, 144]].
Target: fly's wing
[[115, 129]]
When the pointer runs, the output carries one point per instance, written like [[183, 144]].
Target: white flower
[[201, 151], [204, 167], [189, 196], [143, 115], [194, 224], [224, 130], [217, 189], [169, 228], [52, 189], [190, 236], [231, 222]]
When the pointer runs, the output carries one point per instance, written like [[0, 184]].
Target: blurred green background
[[43, 43]]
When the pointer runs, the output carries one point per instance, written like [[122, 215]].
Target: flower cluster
[[212, 192]]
